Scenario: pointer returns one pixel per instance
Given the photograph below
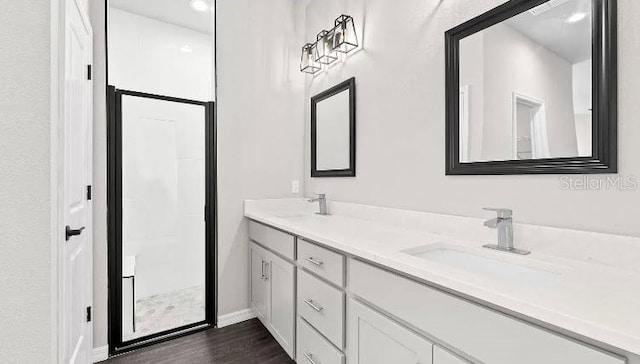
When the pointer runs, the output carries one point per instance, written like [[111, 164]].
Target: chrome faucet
[[504, 224], [322, 199]]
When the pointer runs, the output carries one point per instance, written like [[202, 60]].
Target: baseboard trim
[[100, 354], [235, 317]]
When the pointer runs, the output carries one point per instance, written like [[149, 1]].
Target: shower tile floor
[[169, 310]]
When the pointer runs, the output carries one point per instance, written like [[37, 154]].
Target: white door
[[259, 287], [280, 276], [375, 339], [77, 270]]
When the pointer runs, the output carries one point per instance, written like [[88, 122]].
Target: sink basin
[[495, 268]]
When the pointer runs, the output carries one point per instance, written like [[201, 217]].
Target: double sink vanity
[[531, 88], [375, 285]]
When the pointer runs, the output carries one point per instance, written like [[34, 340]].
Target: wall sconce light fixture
[[308, 62], [325, 53], [345, 39], [341, 38]]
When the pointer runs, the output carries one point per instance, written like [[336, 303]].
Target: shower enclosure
[[162, 208]]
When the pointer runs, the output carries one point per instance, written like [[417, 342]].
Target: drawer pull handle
[[314, 262], [309, 357], [313, 305]]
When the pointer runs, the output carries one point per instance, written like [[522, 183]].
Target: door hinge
[[89, 314], [89, 195], [89, 73]]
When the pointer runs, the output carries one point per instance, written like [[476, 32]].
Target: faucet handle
[[502, 213], [321, 195]]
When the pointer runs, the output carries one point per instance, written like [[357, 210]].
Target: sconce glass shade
[[325, 53], [345, 38], [308, 62]]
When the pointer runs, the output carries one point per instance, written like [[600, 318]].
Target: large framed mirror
[[531, 88], [333, 131]]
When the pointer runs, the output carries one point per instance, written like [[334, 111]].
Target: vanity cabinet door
[[375, 339], [281, 301], [443, 357], [259, 285]]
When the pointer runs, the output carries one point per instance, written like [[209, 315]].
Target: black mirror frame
[[605, 93], [349, 85]]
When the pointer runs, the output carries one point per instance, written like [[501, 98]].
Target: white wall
[[546, 76], [401, 106], [260, 128], [100, 292], [510, 62], [332, 132], [163, 194], [147, 55], [25, 183], [163, 148], [472, 75], [582, 86], [582, 100]]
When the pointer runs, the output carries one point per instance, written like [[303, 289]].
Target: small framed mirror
[[333, 131], [531, 88]]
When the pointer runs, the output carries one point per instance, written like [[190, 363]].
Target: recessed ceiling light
[[186, 49], [199, 5], [576, 17]]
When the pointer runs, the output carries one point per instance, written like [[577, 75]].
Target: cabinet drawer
[[313, 348], [322, 306], [325, 263], [465, 325], [276, 240]]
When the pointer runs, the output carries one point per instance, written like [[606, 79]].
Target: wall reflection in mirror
[[526, 86]]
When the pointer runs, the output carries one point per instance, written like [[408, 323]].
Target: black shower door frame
[[114, 202]]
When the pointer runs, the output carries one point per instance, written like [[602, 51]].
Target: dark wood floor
[[244, 343]]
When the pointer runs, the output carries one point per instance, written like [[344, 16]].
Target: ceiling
[[571, 41], [177, 12]]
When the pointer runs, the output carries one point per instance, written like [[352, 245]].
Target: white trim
[[539, 137], [100, 354], [57, 9], [464, 123], [235, 317]]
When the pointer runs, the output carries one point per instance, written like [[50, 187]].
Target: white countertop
[[591, 300]]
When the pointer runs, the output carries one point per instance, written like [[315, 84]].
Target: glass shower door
[[164, 194]]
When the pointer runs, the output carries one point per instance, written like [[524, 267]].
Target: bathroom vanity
[[375, 285]]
